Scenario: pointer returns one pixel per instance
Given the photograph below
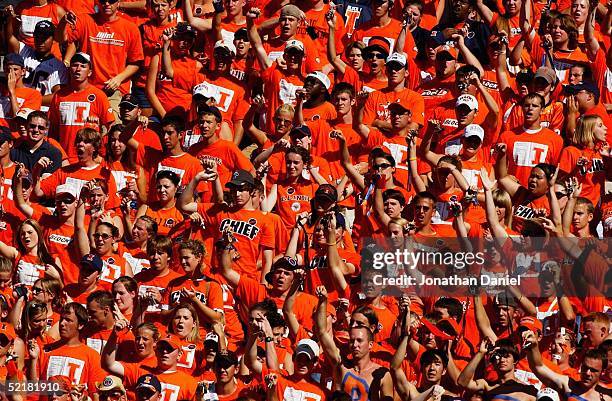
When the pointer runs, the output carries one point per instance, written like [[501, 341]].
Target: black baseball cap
[[241, 177], [206, 109], [300, 131], [81, 58], [588, 86], [148, 381], [226, 360], [92, 260], [184, 29], [326, 191], [44, 29], [241, 34], [5, 137], [128, 100]]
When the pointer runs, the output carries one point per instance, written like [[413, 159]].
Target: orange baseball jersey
[[111, 44], [27, 98], [526, 148], [249, 229], [77, 176], [176, 386], [69, 110], [376, 106], [80, 363]]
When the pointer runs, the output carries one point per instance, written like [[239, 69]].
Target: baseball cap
[[205, 90], [308, 347], [531, 323], [111, 383], [44, 29], [326, 191], [547, 394], [380, 43], [446, 49], [546, 73], [468, 100], [128, 100], [15, 59], [321, 77], [587, 86], [473, 130], [401, 103], [171, 340], [184, 29], [148, 381], [398, 58], [24, 113], [241, 34], [291, 10], [66, 189], [300, 131], [81, 58], [221, 44], [226, 360], [286, 263], [294, 44], [503, 298], [241, 177], [212, 337], [92, 260], [206, 109]]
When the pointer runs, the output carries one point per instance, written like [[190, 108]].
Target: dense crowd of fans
[[195, 197]]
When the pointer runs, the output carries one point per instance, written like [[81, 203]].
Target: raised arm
[[80, 234], [257, 107], [255, 39], [18, 198], [485, 12], [288, 313], [166, 57], [231, 275], [466, 378], [201, 24], [109, 351], [592, 45], [152, 83], [350, 170], [332, 56], [501, 171], [332, 353], [556, 381], [482, 320], [468, 56], [499, 232]]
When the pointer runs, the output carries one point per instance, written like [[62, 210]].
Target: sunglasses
[[110, 394], [104, 236], [40, 127], [65, 201], [560, 194], [423, 208], [59, 393], [378, 56], [108, 1], [382, 166], [36, 290]]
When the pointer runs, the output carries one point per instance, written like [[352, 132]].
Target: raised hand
[[321, 293], [487, 184], [253, 13]]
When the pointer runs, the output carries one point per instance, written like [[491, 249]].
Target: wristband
[[269, 339]]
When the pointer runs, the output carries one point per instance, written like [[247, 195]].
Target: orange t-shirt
[[376, 106], [318, 272], [135, 256], [80, 363], [113, 268], [150, 278], [111, 44], [316, 21], [174, 93], [27, 98], [249, 229], [279, 88], [166, 218], [293, 198], [78, 7], [526, 148], [151, 45], [437, 91], [31, 14], [232, 99], [551, 117], [562, 60], [176, 386], [69, 110], [592, 176], [324, 111], [524, 207]]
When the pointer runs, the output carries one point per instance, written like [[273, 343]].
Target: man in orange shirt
[[255, 239], [78, 104], [114, 44], [87, 144], [68, 356], [14, 95], [100, 307], [376, 113], [583, 100], [171, 158], [225, 154], [227, 89], [531, 143]]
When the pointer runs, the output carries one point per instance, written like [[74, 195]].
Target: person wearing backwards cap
[[66, 113], [312, 98], [300, 383], [14, 95], [44, 72], [175, 385], [173, 73], [254, 238], [114, 45], [228, 90]]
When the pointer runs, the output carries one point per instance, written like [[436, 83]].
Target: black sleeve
[[56, 157]]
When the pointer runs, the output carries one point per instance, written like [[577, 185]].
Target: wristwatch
[[269, 339]]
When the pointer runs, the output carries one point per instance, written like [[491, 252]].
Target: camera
[[21, 291]]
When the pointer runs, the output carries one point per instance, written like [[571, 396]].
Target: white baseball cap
[[227, 45], [473, 130], [294, 44], [308, 347], [547, 394], [66, 189], [397, 58], [206, 90], [468, 100], [321, 77]]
